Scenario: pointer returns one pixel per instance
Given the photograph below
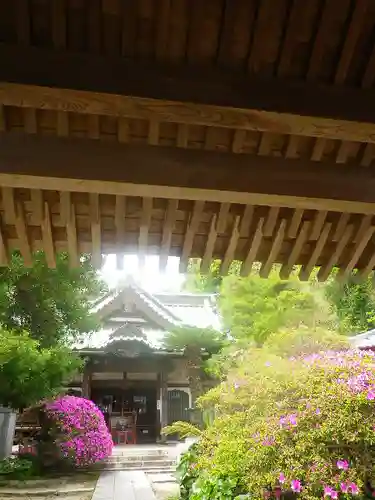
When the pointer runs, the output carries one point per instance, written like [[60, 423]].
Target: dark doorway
[[142, 400], [178, 406]]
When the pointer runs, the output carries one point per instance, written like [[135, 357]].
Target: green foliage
[[216, 488], [17, 468], [252, 308], [197, 282], [28, 373], [183, 429], [196, 342], [206, 339], [304, 340], [197, 486], [297, 417], [51, 304], [354, 304], [187, 472]]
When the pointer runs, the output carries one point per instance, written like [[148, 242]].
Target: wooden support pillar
[[163, 402], [86, 382]]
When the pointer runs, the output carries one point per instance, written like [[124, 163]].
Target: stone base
[[7, 428]]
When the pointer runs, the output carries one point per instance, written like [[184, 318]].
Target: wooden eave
[[233, 130]]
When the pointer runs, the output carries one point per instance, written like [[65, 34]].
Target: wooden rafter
[[362, 243], [143, 230], [299, 242], [254, 245], [318, 249], [120, 213], [47, 237], [355, 128], [182, 174], [274, 251], [176, 94], [96, 231], [210, 246], [169, 222], [68, 216], [191, 229], [231, 249], [34, 219], [111, 140], [335, 256]]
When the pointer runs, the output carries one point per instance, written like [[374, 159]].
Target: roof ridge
[[167, 313]]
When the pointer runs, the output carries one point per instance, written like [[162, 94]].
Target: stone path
[[129, 485], [164, 485]]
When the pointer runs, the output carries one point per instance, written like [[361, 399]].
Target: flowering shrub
[[76, 428], [300, 426]]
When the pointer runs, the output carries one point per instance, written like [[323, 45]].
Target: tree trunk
[[194, 367]]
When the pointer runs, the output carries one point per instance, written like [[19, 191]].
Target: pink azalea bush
[[77, 430], [303, 425]]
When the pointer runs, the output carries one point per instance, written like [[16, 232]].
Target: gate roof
[[220, 129]]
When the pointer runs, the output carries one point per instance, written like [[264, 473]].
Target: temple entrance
[[178, 406], [140, 402]]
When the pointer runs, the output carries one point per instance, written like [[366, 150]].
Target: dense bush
[[17, 468], [29, 374], [73, 432], [302, 425]]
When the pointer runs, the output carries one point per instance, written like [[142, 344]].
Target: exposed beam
[[27, 161], [65, 81]]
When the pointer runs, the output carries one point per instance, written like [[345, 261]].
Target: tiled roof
[[173, 310]]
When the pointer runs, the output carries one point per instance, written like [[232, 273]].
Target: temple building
[[128, 371]]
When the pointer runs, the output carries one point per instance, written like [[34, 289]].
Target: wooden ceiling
[[229, 129]]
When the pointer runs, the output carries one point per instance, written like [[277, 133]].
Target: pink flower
[[330, 492], [296, 485], [269, 441], [344, 487], [293, 420], [371, 395], [281, 478], [353, 489], [83, 435], [282, 421], [342, 464]]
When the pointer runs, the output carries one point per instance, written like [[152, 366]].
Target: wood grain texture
[[119, 87], [63, 221], [178, 173]]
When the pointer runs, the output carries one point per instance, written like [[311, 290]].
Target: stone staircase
[[155, 460], [156, 463]]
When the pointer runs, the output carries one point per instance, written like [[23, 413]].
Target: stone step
[[128, 451], [139, 458], [147, 470], [160, 461], [162, 477], [140, 464]]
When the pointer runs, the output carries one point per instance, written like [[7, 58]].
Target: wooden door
[[178, 405]]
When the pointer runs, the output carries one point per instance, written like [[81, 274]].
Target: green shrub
[[305, 423], [29, 374], [183, 429], [187, 471], [17, 468]]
